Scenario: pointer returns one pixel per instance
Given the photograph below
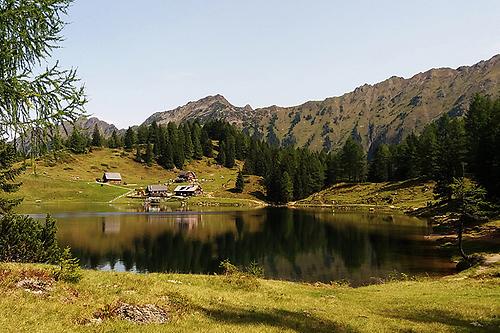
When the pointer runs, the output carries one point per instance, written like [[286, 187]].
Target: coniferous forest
[[448, 148]]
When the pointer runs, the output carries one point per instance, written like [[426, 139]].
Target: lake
[[290, 244]]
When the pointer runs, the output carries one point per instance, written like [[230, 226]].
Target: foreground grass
[[461, 303]]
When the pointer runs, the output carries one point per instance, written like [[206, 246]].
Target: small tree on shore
[[240, 182], [469, 198]]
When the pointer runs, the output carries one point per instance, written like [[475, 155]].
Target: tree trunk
[[460, 243]]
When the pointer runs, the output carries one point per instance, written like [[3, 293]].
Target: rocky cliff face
[[87, 126]]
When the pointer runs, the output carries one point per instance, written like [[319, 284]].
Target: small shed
[[157, 191], [112, 177], [186, 176], [188, 190]]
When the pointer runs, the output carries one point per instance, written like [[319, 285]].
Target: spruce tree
[[221, 157], [379, 167], [197, 147], [206, 143], [240, 182], [353, 161], [8, 174], [77, 142], [96, 137], [138, 155], [188, 142], [142, 134], [114, 141], [130, 138], [148, 157], [482, 125], [286, 188], [230, 152]]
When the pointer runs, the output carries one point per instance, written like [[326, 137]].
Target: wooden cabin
[[157, 191], [186, 176], [188, 190], [112, 177]]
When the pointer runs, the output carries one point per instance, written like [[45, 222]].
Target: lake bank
[[468, 301]]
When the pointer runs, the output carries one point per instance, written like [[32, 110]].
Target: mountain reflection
[[307, 245]]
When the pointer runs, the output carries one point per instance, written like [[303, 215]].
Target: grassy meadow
[[467, 302], [73, 179], [403, 195]]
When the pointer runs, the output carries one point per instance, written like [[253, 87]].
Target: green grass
[[403, 195], [468, 302], [73, 177]]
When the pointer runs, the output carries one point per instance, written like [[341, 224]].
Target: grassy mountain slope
[[72, 179], [403, 195], [384, 112]]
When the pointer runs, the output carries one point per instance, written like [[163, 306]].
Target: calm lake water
[[291, 244]]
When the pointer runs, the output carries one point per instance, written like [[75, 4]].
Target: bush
[[247, 279], [69, 268], [24, 239], [255, 269]]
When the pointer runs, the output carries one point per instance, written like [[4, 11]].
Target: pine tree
[[178, 145], [353, 161], [240, 182], [230, 152], [451, 154], [469, 198], [197, 147], [142, 134], [286, 188], [188, 142], [379, 168], [148, 157], [130, 138], [206, 143], [114, 141], [334, 169], [77, 142], [482, 125], [221, 157], [96, 137], [138, 155], [8, 174], [427, 152]]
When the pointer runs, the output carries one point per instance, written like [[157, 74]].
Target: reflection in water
[[309, 245]]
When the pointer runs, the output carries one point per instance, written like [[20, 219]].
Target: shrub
[[255, 269], [247, 279], [69, 269], [24, 239]]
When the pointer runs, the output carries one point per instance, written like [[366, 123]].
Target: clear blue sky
[[138, 57]]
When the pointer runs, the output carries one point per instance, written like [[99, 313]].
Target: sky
[[139, 57]]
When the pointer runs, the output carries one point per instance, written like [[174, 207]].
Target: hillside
[[384, 112], [72, 179], [402, 195]]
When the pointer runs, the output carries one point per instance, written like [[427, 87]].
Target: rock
[[139, 314], [35, 286]]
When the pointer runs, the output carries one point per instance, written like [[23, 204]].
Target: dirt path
[[121, 196]]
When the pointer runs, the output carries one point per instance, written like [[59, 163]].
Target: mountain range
[[384, 112]]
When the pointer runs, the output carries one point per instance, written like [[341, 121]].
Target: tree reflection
[[290, 244]]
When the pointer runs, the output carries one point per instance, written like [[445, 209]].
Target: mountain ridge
[[386, 111]]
